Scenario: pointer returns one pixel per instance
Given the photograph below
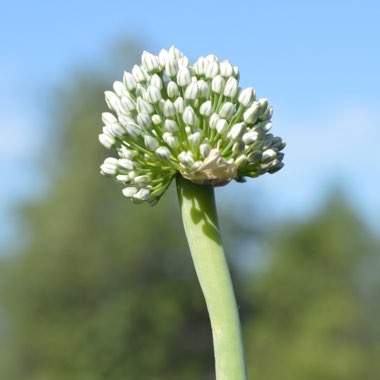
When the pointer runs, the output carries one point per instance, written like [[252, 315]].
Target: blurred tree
[[315, 318]]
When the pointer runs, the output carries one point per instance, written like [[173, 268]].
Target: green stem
[[200, 221]]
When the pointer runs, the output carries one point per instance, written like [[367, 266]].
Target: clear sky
[[317, 61]]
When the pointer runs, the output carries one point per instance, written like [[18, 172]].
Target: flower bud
[[108, 118], [246, 97], [129, 191], [156, 119], [119, 88], [141, 196], [212, 70], [172, 90], [191, 91], [200, 66], [189, 117], [236, 131], [144, 120], [133, 130], [171, 126], [144, 107], [206, 109], [217, 84], [162, 57], [183, 77], [156, 81], [183, 62], [186, 159], [151, 142], [117, 130], [194, 138], [251, 114], [222, 126], [171, 67], [204, 149], [241, 160], [108, 168], [163, 153], [112, 101], [250, 137], [122, 178], [106, 140], [236, 73], [125, 163], [214, 120], [150, 62], [142, 180], [169, 109], [154, 94], [175, 53], [231, 88], [179, 105], [227, 110], [268, 155], [226, 69], [129, 81], [212, 58], [203, 89], [171, 140], [128, 103], [138, 73]]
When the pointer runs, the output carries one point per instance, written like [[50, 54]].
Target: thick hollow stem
[[202, 231]]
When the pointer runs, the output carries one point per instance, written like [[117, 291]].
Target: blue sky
[[317, 61]]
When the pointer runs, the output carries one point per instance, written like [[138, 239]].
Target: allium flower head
[[169, 116]]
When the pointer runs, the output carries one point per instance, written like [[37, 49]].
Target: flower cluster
[[170, 116]]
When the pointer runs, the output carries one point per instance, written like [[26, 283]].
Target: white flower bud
[[122, 177], [263, 105], [108, 118], [133, 130], [144, 107], [154, 94], [119, 88], [117, 130], [214, 120], [142, 195], [141, 92], [171, 67], [162, 57], [179, 105], [163, 153], [169, 109], [129, 81], [150, 62], [268, 155], [171, 126], [251, 114], [156, 119], [206, 109], [172, 90], [194, 139], [204, 149], [217, 84], [106, 140], [125, 152], [171, 140], [212, 70], [212, 58], [125, 163], [227, 110], [238, 147], [203, 89], [247, 96], [255, 156], [250, 137], [156, 81], [151, 142], [236, 131], [142, 180], [128, 103], [138, 73], [189, 117], [236, 73], [175, 53], [226, 69], [231, 88], [241, 160], [112, 101], [200, 66], [222, 126], [129, 191], [124, 120], [183, 77], [191, 92], [108, 168], [183, 62], [186, 158], [144, 120]]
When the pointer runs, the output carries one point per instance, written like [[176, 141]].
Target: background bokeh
[[93, 287]]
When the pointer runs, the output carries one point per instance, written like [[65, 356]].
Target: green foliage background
[[104, 289]]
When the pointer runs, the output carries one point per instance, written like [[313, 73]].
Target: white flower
[[169, 116]]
